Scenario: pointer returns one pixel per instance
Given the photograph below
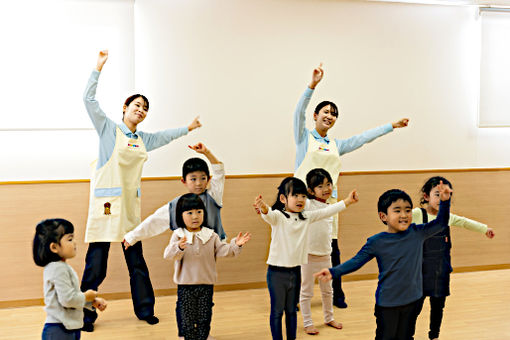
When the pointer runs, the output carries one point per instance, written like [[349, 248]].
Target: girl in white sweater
[[289, 248], [320, 188]]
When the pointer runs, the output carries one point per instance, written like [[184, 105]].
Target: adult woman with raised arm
[[315, 149], [114, 207]]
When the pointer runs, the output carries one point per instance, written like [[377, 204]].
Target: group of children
[[413, 254]]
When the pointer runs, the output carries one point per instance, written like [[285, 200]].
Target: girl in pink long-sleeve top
[[194, 250]]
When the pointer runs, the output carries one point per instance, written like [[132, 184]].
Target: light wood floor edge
[[239, 286], [347, 173]]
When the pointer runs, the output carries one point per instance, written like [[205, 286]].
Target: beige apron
[[114, 207], [322, 155]]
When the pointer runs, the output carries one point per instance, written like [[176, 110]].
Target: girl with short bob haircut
[[53, 244], [437, 264], [289, 248], [194, 250]]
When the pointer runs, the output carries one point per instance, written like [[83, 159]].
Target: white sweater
[[289, 236], [319, 233]]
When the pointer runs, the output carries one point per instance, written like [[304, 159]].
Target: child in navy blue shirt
[[399, 254]]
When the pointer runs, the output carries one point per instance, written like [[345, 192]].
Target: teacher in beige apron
[[115, 193], [315, 149]]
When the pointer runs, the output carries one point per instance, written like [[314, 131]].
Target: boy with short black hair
[[196, 178], [399, 254]]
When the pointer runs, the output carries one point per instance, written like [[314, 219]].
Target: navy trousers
[[57, 331], [142, 293], [284, 286]]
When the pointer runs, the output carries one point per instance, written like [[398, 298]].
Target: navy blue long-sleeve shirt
[[399, 258]]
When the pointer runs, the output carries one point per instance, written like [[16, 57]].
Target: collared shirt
[[106, 128], [344, 146]]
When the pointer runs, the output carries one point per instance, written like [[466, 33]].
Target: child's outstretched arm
[[217, 183], [233, 248], [364, 255], [471, 225], [332, 209], [153, 225]]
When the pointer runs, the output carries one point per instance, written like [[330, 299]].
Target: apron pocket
[[107, 202]]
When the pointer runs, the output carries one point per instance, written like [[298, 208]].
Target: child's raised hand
[[200, 148], [100, 303], [242, 239], [182, 243], [324, 275], [125, 244], [90, 295], [195, 124], [260, 206], [401, 123], [351, 198], [317, 75], [490, 233], [444, 191], [101, 59]]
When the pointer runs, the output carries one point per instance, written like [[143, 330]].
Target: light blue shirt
[[344, 146], [106, 128]]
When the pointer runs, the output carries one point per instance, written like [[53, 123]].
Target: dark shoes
[[88, 327], [151, 320], [339, 303]]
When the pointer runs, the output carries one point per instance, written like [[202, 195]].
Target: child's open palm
[[242, 239]]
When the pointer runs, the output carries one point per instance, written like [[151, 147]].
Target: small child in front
[[399, 254], [195, 250], [53, 244]]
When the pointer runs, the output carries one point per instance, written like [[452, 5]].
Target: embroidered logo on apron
[[107, 206]]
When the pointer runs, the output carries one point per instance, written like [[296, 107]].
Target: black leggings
[[436, 314]]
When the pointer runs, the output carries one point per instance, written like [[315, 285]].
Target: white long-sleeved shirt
[[289, 236], [319, 232], [63, 298], [159, 221], [454, 221]]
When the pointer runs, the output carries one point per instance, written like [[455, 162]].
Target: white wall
[[242, 66]]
